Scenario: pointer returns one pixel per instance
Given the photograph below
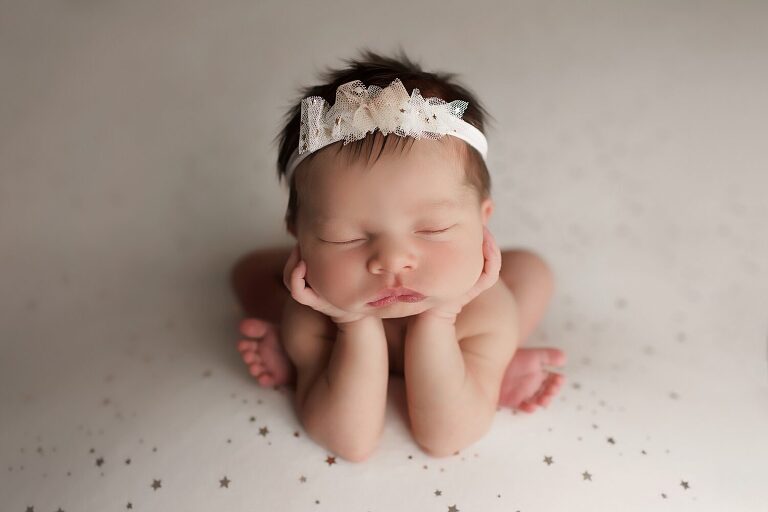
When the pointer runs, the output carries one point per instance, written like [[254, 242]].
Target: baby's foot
[[526, 383], [265, 356]]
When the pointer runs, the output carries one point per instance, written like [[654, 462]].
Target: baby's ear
[[486, 209]]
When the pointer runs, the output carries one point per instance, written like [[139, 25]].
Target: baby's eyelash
[[436, 231], [359, 239]]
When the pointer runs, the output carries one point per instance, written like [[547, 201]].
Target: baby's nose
[[392, 259]]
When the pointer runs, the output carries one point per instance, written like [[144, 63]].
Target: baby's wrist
[[357, 322]]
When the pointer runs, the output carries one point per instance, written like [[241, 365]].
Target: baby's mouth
[[391, 295]]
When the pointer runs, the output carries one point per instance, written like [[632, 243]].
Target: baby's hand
[[293, 277], [492, 257]]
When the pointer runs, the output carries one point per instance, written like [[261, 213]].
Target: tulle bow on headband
[[359, 111]]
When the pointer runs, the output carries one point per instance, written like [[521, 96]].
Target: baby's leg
[[526, 383], [257, 279], [532, 284]]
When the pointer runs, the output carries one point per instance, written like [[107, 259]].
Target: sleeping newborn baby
[[394, 270]]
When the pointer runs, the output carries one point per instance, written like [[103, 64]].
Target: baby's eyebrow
[[320, 220], [438, 204]]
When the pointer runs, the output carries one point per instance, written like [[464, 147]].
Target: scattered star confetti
[[156, 484], [129, 505], [100, 461], [438, 492], [127, 461], [330, 460], [302, 479], [263, 431], [684, 484], [224, 482], [453, 508], [252, 419], [548, 460], [586, 476], [610, 440]]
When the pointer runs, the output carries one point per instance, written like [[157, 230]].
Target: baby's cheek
[[332, 278], [456, 267]]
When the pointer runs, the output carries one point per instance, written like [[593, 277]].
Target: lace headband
[[358, 111]]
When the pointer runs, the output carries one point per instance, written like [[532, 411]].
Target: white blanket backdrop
[[136, 165]]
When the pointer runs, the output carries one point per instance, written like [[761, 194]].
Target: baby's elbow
[[440, 448], [445, 444], [347, 447], [356, 455]]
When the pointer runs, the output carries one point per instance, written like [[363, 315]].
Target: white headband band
[[358, 111]]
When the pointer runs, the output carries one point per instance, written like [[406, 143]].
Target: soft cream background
[[136, 164]]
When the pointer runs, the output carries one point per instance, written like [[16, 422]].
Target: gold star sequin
[[586, 476], [548, 460], [330, 460], [156, 484], [438, 492], [224, 482], [453, 508], [263, 431], [684, 484]]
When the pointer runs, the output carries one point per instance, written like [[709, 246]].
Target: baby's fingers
[[492, 255], [299, 289], [290, 266]]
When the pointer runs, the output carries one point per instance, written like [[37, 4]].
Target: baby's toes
[[554, 357], [247, 346], [266, 379], [256, 368], [253, 327], [527, 407], [549, 388], [251, 357]]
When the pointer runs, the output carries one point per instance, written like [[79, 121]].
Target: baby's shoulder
[[493, 310]]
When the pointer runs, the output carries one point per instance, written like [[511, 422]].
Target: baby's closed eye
[[434, 231]]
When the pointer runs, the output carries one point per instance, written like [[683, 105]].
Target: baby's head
[[388, 211]]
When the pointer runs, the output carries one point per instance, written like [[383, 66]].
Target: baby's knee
[[530, 265]]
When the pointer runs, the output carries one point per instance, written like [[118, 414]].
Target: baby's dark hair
[[375, 69]]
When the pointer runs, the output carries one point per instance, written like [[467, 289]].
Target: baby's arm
[[452, 386], [341, 391]]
